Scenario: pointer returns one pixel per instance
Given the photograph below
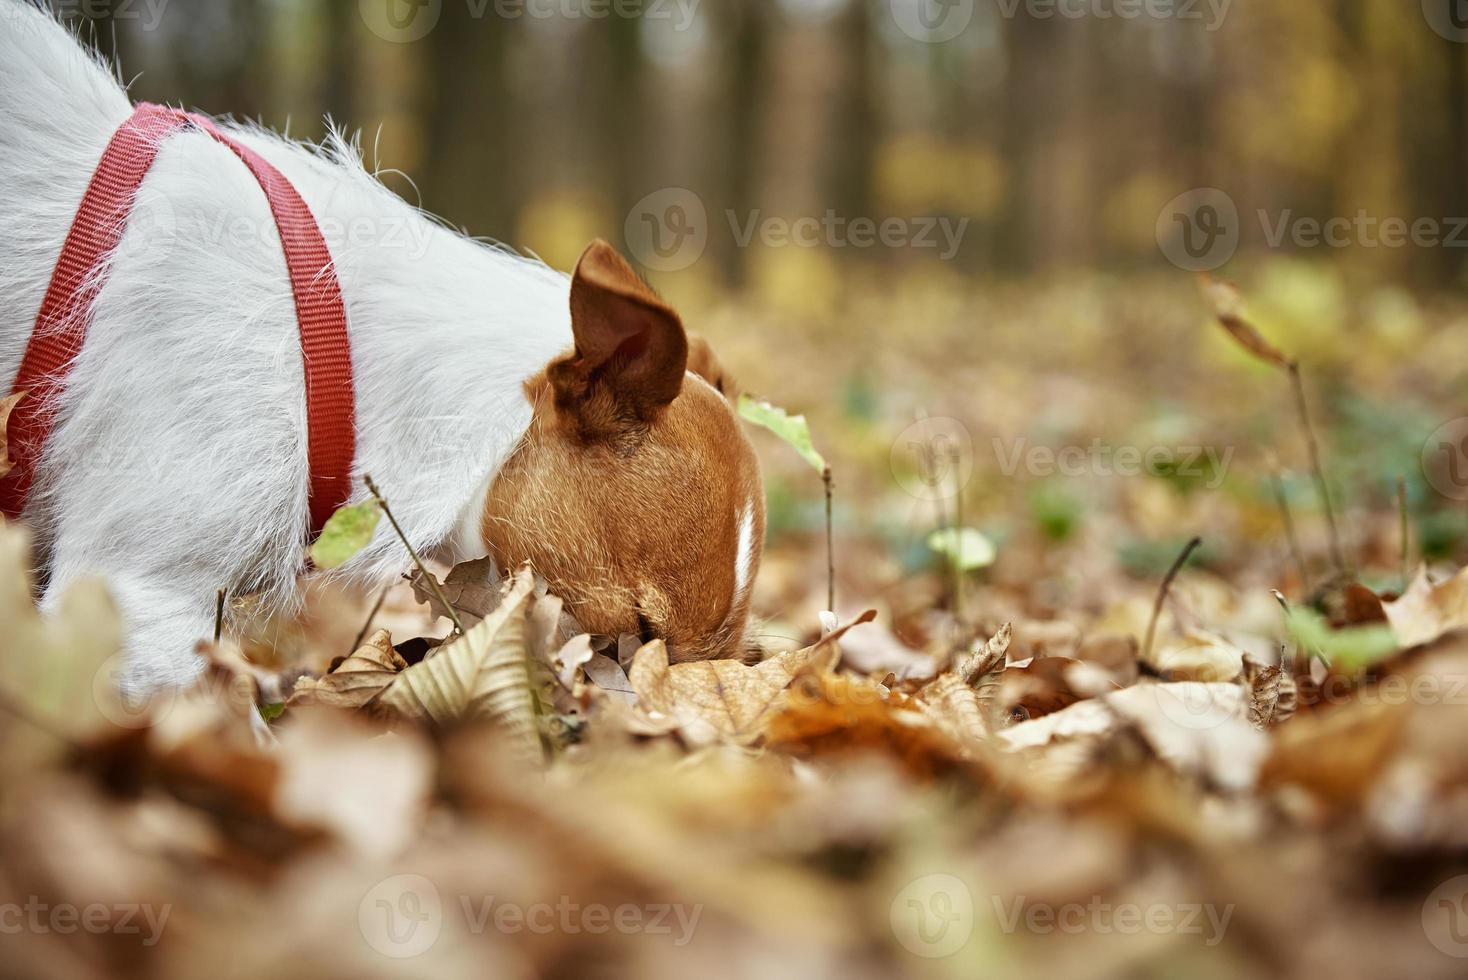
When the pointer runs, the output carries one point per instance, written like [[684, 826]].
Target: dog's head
[[635, 492]]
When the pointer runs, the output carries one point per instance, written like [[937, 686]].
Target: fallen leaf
[[482, 675], [1197, 655], [472, 588], [357, 680], [723, 699], [1426, 611]]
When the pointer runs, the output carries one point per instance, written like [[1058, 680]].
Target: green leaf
[[965, 548], [791, 428], [1350, 649], [346, 532]]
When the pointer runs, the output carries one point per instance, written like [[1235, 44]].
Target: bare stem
[[1406, 531], [1289, 525], [1162, 594], [830, 545], [427, 575], [1303, 409]]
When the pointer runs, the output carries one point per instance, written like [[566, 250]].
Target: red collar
[[61, 325]]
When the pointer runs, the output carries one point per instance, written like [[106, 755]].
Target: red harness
[[61, 325]]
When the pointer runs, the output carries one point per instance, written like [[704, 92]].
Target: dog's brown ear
[[631, 350]]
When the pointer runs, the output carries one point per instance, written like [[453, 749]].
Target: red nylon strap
[[61, 324]]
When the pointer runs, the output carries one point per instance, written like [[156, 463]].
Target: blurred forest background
[[1052, 135], [1059, 137]]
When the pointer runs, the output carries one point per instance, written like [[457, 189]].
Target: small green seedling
[[794, 431], [964, 548]]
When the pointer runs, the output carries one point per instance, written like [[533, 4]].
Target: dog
[[502, 408]]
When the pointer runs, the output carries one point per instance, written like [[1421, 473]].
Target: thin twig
[[956, 552], [1322, 487], [376, 608], [830, 544], [1277, 482], [1406, 531], [427, 575], [1162, 595], [219, 614]]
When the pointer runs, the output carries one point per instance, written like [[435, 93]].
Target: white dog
[[493, 420]]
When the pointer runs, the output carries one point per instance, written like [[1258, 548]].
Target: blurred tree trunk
[[747, 24], [471, 174]]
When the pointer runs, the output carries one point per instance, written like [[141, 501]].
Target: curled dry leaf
[[483, 675], [1228, 306], [1272, 694], [1426, 611], [723, 699], [357, 680]]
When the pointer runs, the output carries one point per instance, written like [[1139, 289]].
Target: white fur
[[178, 462], [744, 555]]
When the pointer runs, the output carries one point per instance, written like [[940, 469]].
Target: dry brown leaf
[[609, 676], [1272, 694], [1194, 727], [827, 715], [7, 404], [1339, 754], [723, 699], [1197, 655], [1223, 296], [357, 680], [473, 588], [482, 675], [1426, 611]]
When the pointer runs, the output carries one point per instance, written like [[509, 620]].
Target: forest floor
[[1078, 745]]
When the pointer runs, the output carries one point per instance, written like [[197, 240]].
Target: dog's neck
[[445, 331]]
